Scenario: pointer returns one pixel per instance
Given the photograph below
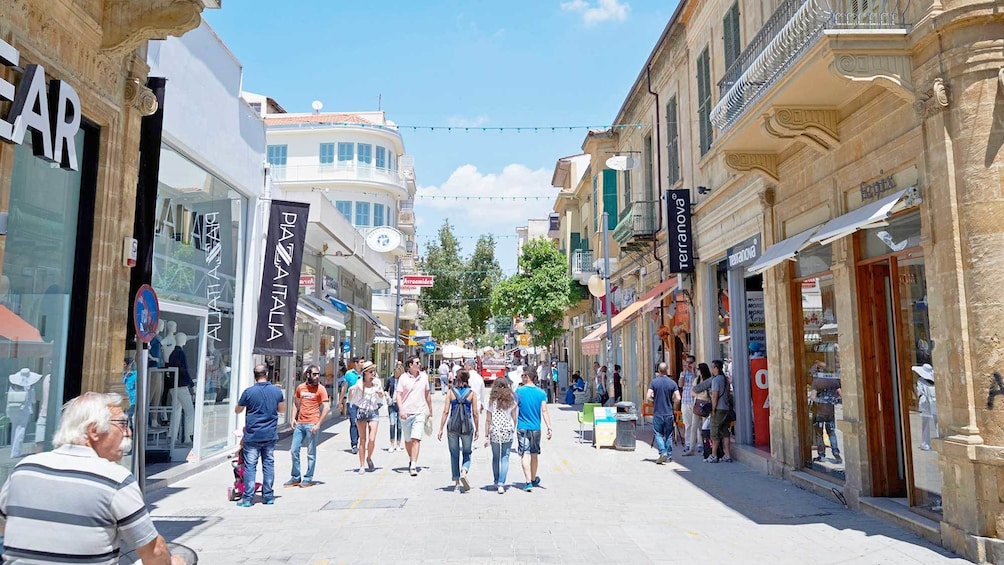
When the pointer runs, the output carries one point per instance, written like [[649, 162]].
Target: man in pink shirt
[[414, 403]]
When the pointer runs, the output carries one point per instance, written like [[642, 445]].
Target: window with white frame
[[326, 155], [366, 153], [346, 152], [381, 157], [362, 214], [277, 155], [345, 207], [379, 217]]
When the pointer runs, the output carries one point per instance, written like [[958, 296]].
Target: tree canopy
[[540, 292]]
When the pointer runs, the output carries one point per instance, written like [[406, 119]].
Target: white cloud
[[462, 122], [601, 11], [473, 217]]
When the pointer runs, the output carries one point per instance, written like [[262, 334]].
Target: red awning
[[591, 343], [18, 338]]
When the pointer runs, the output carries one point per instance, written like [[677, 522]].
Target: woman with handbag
[[461, 426], [701, 408], [369, 396]]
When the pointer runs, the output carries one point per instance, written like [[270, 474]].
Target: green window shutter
[[704, 100], [730, 35], [672, 145], [610, 197], [596, 206], [574, 241]]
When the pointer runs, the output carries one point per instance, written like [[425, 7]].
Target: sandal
[[711, 459], [726, 459]]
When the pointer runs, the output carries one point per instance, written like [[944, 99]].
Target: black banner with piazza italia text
[[280, 279]]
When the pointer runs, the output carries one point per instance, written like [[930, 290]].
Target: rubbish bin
[[627, 420]]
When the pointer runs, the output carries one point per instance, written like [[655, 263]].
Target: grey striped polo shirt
[[71, 506]]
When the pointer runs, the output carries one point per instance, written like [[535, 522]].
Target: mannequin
[[20, 405], [181, 397], [166, 344], [928, 404], [156, 354]]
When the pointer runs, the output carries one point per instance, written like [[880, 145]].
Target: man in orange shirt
[[310, 407]]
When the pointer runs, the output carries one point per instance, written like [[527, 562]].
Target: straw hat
[[365, 366]]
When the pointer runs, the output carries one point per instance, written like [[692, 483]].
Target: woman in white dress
[[500, 421], [369, 396]]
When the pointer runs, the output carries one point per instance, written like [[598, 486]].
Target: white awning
[[321, 319], [869, 216], [782, 251]]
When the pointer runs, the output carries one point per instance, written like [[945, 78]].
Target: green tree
[[541, 290], [448, 323], [481, 275], [443, 301]]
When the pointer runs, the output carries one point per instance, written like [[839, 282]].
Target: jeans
[[395, 423], [662, 427], [353, 432], [831, 431], [455, 440], [301, 432], [500, 461], [252, 450]]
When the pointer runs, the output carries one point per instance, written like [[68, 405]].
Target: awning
[[339, 304], [869, 216], [317, 315], [385, 336], [782, 251], [326, 309], [18, 338], [591, 343]]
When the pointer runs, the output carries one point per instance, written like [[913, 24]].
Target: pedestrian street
[[591, 506]]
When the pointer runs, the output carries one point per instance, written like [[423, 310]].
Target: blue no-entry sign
[[146, 312], [429, 346], [346, 347]]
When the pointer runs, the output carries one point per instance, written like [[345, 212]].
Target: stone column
[[961, 108]]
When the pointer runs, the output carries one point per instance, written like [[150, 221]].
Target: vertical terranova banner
[[680, 240], [280, 279]]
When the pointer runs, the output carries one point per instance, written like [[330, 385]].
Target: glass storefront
[[820, 363], [198, 261], [722, 309], [40, 262], [893, 263]]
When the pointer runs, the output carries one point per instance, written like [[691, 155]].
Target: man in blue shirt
[[264, 402], [532, 402], [351, 377], [664, 395]]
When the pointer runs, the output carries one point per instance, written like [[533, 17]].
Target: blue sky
[[455, 63]]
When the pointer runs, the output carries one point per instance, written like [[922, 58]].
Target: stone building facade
[[845, 165], [64, 286]]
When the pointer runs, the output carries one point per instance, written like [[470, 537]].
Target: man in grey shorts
[[532, 402]]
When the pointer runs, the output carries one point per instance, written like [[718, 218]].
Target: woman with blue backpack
[[461, 427]]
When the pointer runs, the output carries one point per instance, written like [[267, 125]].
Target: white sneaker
[[361, 470], [501, 489]]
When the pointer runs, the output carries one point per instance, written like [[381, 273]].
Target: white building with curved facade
[[353, 170]]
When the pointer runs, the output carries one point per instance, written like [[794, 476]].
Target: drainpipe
[[658, 180]]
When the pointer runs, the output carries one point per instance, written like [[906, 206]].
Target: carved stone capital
[[747, 161], [816, 127], [891, 71], [126, 24], [140, 97], [934, 100]]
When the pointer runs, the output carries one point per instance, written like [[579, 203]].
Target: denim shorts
[[528, 441], [368, 415]]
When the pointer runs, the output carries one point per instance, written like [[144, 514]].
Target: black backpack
[[460, 421]]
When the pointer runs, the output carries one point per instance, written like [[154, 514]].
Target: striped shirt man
[[71, 506]]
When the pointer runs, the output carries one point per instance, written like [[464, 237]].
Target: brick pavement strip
[[592, 505]]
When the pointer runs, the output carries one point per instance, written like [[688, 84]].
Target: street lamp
[[604, 291]]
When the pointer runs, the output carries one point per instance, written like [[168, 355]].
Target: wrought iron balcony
[[582, 265], [794, 27], [637, 222]]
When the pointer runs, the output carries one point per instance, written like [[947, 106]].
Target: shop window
[[42, 304], [901, 234], [722, 311], [197, 267], [820, 370]]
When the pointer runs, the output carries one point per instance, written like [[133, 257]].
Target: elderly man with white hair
[[76, 504]]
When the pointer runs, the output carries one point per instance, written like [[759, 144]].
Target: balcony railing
[[406, 213], [582, 262], [347, 171], [795, 26], [638, 221]]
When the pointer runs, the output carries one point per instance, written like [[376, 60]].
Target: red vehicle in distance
[[491, 368]]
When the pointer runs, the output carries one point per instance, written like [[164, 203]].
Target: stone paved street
[[592, 506]]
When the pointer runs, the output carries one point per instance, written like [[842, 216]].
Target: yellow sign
[[524, 340]]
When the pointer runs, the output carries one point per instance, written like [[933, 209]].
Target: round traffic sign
[[145, 313], [429, 346]]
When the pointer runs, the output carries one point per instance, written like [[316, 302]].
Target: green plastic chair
[[586, 416]]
